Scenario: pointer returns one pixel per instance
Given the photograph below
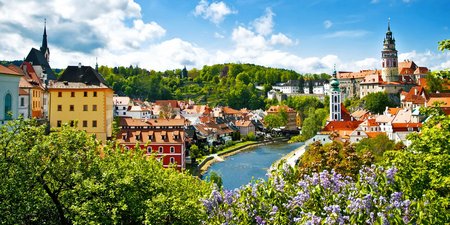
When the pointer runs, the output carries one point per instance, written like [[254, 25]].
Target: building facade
[[335, 99], [162, 138], [81, 98], [9, 94]]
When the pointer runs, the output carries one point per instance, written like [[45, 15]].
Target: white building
[[121, 105], [9, 94], [292, 86]]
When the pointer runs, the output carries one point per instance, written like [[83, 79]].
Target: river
[[239, 169]]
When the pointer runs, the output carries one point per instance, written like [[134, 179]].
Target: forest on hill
[[229, 84]]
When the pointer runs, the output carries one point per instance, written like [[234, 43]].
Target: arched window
[[335, 98], [8, 107], [149, 149], [172, 160], [160, 149], [172, 149]]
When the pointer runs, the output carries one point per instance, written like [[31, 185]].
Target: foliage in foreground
[[322, 198], [66, 177], [415, 189]]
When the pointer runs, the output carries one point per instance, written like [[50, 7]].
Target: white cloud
[[280, 39], [327, 24], [214, 12], [432, 60], [347, 33], [264, 24]]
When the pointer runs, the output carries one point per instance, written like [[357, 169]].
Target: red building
[[164, 138]]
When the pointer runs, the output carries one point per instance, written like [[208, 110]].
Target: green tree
[[67, 177], [215, 178], [377, 102], [444, 45]]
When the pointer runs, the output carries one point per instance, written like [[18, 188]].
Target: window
[[58, 123], [172, 149], [117, 108], [94, 123], [85, 107], [85, 123], [124, 108], [95, 94], [172, 160], [85, 94], [72, 108], [22, 102], [59, 94], [149, 149], [160, 149], [94, 107], [60, 108], [8, 107], [72, 123], [72, 94], [124, 113]]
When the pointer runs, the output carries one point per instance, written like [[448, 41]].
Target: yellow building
[[81, 98]]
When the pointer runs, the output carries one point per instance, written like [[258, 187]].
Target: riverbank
[[213, 158], [291, 158]]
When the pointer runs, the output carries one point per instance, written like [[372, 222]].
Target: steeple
[[96, 64], [44, 48]]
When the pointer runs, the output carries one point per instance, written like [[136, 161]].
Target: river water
[[239, 169]]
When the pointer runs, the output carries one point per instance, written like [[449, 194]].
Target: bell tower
[[335, 99], [389, 57]]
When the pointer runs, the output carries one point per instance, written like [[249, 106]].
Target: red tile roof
[[342, 125], [444, 100], [243, 123], [396, 127], [360, 74], [6, 70], [172, 103], [151, 136], [277, 108], [126, 121], [394, 111], [374, 134]]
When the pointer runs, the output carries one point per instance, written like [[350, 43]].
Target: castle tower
[[44, 48], [389, 58], [335, 99]]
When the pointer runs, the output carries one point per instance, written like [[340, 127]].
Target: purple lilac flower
[[356, 205], [298, 200], [274, 210], [259, 220], [208, 205], [279, 183], [367, 175], [324, 181], [396, 200], [217, 196], [367, 201], [303, 184], [315, 179], [390, 173], [406, 219], [228, 197]]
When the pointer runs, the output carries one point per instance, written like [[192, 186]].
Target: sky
[[308, 36]]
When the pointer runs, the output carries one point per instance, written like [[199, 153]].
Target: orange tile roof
[[16, 69], [445, 100], [341, 125], [360, 74], [374, 134], [345, 115], [22, 92], [421, 70], [415, 95], [6, 70], [243, 123], [23, 83], [172, 103], [277, 108], [230, 111], [126, 121], [151, 136], [394, 111]]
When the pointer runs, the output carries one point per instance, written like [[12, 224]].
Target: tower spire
[[389, 24], [44, 47]]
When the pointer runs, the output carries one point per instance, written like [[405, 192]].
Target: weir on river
[[239, 169]]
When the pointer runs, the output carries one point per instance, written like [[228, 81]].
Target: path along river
[[239, 169]]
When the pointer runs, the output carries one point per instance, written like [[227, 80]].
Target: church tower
[[335, 99], [389, 58], [44, 48]]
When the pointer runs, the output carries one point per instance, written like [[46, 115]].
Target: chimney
[[415, 91]]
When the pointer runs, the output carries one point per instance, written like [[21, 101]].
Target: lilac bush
[[320, 198]]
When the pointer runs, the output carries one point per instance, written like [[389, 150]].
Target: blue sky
[[306, 36]]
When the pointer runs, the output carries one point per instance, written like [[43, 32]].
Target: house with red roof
[[161, 138], [245, 127]]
